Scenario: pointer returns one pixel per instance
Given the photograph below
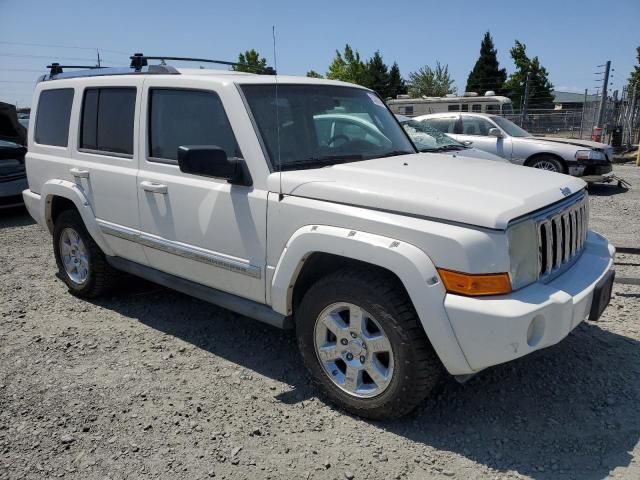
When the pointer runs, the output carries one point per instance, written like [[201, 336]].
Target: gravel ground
[[148, 383]]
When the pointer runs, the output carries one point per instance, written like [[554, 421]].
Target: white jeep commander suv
[[251, 192]]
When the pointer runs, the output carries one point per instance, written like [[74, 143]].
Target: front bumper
[[591, 170], [11, 192], [495, 330]]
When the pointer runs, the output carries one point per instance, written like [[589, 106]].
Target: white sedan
[[497, 135]]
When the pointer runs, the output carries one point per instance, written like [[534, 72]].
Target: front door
[[476, 129], [199, 228]]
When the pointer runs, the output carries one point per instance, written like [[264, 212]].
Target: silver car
[[497, 135]]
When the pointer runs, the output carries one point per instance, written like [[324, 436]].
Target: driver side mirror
[[495, 132], [212, 161]]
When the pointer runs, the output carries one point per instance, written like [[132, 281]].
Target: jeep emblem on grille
[[566, 191]]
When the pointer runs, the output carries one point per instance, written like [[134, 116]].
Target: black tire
[[101, 277], [544, 162], [417, 369]]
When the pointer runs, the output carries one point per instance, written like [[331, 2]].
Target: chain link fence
[[621, 122]]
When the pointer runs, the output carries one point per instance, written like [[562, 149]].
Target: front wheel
[[549, 164], [362, 342]]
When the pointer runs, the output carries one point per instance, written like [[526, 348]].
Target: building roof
[[572, 97]]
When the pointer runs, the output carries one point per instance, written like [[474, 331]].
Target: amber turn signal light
[[474, 285]]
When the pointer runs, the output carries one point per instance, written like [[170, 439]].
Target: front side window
[[107, 120], [311, 126], [511, 128], [475, 125], [52, 118], [187, 117]]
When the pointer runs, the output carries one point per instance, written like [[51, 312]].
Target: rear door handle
[[79, 173], [154, 187]]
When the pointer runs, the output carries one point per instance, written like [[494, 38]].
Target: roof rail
[[139, 60], [56, 68]]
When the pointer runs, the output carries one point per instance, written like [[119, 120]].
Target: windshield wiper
[[319, 162], [444, 148], [393, 153]]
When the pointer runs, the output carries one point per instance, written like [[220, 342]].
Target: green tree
[[396, 82], [430, 82], [250, 61], [486, 73], [634, 78], [314, 74], [348, 67], [378, 76], [540, 88]]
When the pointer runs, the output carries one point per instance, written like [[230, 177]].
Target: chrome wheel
[[74, 256], [353, 350], [546, 165]]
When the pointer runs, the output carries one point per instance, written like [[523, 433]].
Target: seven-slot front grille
[[561, 236]]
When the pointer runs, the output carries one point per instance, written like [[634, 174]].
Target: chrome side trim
[[176, 248]]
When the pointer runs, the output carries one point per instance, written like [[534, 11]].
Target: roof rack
[[56, 68], [138, 60]]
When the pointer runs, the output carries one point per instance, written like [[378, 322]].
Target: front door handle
[[79, 173], [154, 187]]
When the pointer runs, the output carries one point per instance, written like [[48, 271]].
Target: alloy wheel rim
[[353, 350], [545, 165], [73, 254]]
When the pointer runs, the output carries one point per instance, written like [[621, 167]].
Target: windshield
[[511, 128], [426, 138], [321, 125]]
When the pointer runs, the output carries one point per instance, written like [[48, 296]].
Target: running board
[[248, 308]]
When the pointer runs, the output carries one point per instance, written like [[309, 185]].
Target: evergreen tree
[[429, 82], [634, 78], [314, 74], [396, 83], [378, 78], [486, 74], [348, 67], [250, 61], [540, 88]]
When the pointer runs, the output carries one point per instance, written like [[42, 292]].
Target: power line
[[62, 46]]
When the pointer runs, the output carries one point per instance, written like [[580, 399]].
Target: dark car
[[13, 178]]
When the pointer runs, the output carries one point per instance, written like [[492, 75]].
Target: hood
[[575, 142], [461, 190]]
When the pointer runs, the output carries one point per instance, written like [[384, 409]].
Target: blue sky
[[570, 37]]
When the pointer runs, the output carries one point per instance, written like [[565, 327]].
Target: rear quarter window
[[53, 116]]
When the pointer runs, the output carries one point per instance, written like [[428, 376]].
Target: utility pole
[[525, 103], [603, 99], [98, 52]]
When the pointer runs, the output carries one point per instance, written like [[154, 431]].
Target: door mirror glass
[[212, 161], [495, 132]]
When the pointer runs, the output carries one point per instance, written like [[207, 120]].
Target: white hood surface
[[460, 190]]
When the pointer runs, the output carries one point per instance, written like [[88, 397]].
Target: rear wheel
[[548, 163], [362, 342], [81, 264]]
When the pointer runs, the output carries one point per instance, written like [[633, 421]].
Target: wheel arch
[[314, 251], [60, 195], [531, 158]]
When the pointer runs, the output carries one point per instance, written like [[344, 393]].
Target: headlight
[[589, 155], [523, 253]]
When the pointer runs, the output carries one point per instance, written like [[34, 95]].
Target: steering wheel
[[337, 137]]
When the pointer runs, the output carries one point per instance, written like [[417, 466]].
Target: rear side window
[[52, 118], [107, 120], [187, 117]]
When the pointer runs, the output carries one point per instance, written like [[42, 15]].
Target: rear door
[[105, 158]]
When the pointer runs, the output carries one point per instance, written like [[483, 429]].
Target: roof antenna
[[275, 66]]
